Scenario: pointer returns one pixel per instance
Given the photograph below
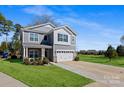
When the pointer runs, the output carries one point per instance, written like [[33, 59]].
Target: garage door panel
[[64, 56]]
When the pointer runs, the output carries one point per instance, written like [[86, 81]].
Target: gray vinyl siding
[[27, 38], [40, 39], [64, 47]]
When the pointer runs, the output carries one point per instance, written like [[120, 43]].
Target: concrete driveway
[[104, 75], [7, 81]]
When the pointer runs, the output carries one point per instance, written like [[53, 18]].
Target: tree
[[17, 33], [2, 19], [0, 48], [101, 52], [9, 45], [16, 43], [110, 53], [3, 46], [5, 27], [44, 19], [120, 50], [122, 39]]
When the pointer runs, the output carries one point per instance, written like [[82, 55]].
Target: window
[[65, 38], [33, 53], [72, 40], [58, 51], [62, 37], [33, 37], [59, 37]]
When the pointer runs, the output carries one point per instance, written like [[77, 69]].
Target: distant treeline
[[92, 52], [119, 50]]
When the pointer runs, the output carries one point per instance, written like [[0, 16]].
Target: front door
[[47, 53]]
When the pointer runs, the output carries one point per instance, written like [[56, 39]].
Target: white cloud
[[38, 10], [96, 27], [102, 34], [73, 18]]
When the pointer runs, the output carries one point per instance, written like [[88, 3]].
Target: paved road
[[104, 75], [7, 81]]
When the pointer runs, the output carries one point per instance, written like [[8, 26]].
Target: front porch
[[37, 51]]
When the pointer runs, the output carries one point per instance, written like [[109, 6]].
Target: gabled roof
[[37, 31], [66, 28], [40, 25], [47, 29]]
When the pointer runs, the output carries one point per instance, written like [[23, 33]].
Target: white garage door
[[64, 56]]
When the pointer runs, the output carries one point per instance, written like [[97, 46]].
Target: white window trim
[[33, 52], [73, 41], [63, 37], [33, 41]]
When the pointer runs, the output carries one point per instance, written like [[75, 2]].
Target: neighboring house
[[45, 40]]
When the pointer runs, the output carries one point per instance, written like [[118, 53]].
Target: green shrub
[[120, 50], [76, 58], [115, 54], [39, 61], [35, 62], [46, 60], [111, 53], [26, 61]]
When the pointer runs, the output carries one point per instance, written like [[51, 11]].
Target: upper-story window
[[60, 37], [33, 37], [63, 37], [66, 38], [73, 40]]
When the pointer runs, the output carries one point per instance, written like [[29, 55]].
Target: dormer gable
[[40, 26]]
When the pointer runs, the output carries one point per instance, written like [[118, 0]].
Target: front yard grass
[[118, 61], [42, 76]]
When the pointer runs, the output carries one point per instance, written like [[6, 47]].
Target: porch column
[[23, 52], [26, 52], [42, 53]]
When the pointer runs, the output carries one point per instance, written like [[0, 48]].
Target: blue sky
[[96, 26]]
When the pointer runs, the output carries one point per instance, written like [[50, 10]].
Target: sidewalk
[[7, 81]]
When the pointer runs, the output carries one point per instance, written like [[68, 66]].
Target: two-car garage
[[64, 55]]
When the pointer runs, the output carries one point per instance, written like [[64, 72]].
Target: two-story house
[[45, 40]]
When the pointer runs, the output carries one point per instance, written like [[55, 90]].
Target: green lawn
[[42, 76], [119, 61]]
